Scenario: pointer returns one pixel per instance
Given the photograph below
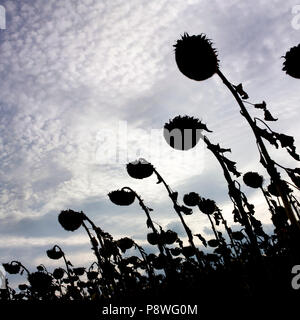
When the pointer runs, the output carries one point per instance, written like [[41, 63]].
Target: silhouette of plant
[[291, 64]]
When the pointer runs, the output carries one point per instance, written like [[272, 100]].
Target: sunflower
[[191, 199], [122, 197], [253, 179], [70, 220], [140, 169], [54, 253], [183, 132], [195, 57], [291, 65]]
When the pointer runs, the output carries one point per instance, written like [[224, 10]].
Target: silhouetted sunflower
[[54, 253], [70, 220], [213, 243], [40, 281], [122, 197], [153, 238], [291, 65], [23, 287], [125, 244], [237, 235], [58, 273], [12, 268], [175, 251], [195, 57], [169, 237], [188, 251], [140, 169], [79, 271], [253, 179], [191, 199], [183, 132], [207, 206]]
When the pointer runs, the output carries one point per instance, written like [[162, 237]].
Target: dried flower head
[[207, 206], [183, 132], [191, 199], [70, 220], [169, 237], [195, 57], [55, 253], [213, 243], [125, 244], [237, 235], [140, 169], [58, 273], [291, 65], [188, 251], [122, 197], [40, 281], [253, 179], [79, 271], [175, 251], [12, 268], [153, 238]]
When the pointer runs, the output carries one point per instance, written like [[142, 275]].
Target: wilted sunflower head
[[122, 197], [55, 253], [153, 238], [195, 57], [40, 281], [70, 220], [253, 179], [12, 268], [125, 244], [291, 65], [207, 206], [140, 169], [58, 273], [191, 199], [183, 132]]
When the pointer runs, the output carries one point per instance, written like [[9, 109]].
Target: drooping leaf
[[202, 239], [294, 177], [174, 196], [268, 136], [231, 166], [240, 90], [262, 105], [268, 116]]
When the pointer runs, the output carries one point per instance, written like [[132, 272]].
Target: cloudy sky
[[83, 81]]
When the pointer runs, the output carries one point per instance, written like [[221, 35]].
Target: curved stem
[[237, 199], [176, 206]]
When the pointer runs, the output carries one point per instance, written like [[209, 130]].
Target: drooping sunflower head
[[122, 197], [195, 57], [291, 65], [191, 199], [70, 220], [140, 169], [253, 179], [183, 132], [54, 253]]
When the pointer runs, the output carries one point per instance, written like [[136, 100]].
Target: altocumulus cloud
[[70, 69]]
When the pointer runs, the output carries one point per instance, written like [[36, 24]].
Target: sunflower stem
[[268, 163]]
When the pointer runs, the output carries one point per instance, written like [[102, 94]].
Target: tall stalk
[[178, 211], [266, 160]]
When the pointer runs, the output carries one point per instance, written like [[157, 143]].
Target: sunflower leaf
[[268, 116], [262, 105]]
